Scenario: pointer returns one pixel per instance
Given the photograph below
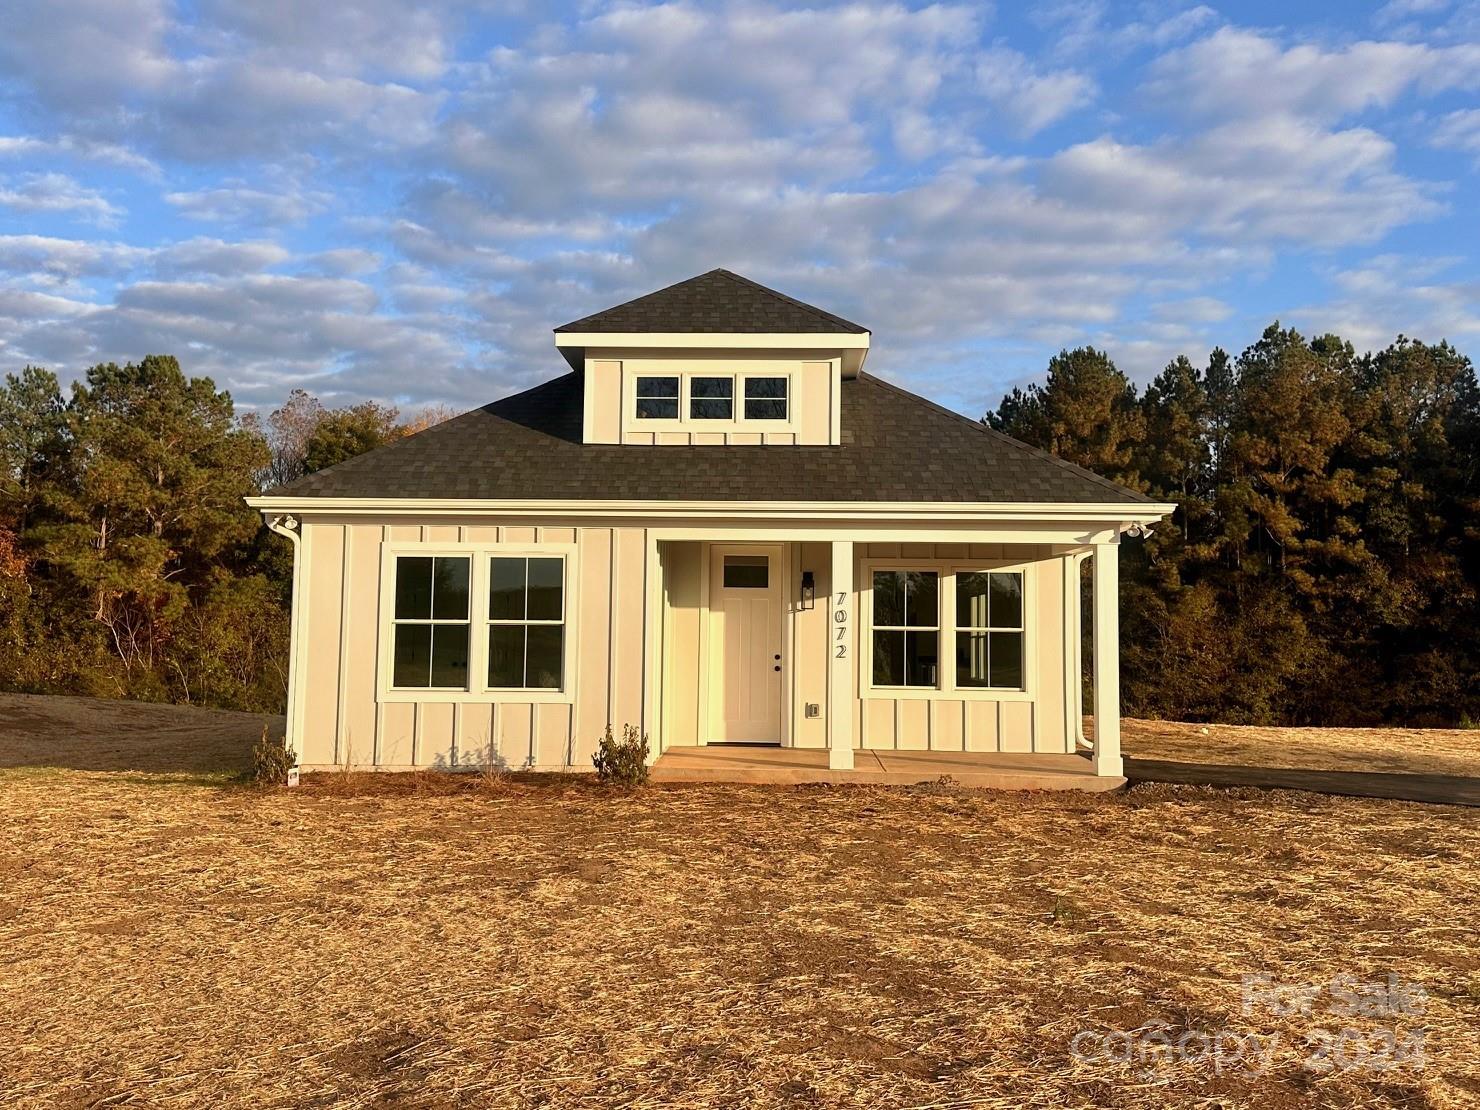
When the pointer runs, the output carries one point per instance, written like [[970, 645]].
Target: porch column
[[841, 664], [1106, 568]]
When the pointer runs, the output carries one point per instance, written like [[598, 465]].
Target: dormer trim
[[853, 346]]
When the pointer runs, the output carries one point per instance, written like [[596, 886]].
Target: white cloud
[[1459, 130], [1237, 73], [1393, 294], [236, 203], [36, 193], [1030, 99]]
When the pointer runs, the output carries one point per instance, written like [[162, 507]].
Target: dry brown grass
[[426, 940], [369, 940], [1436, 751]]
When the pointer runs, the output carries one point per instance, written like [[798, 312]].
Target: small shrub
[[272, 759], [622, 762]]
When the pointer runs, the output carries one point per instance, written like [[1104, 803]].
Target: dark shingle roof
[[718, 301], [896, 447]]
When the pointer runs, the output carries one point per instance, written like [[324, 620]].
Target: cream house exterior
[[715, 527]]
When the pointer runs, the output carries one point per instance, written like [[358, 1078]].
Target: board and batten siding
[[345, 723], [979, 723]]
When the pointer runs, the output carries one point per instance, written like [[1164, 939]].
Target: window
[[747, 572], [712, 399], [765, 398], [906, 627], [657, 397], [432, 623], [526, 623], [989, 629]]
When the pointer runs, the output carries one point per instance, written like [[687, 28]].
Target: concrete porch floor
[[990, 770]]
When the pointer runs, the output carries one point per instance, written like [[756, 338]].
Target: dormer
[[716, 359]]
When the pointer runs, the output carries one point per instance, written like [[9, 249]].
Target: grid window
[[432, 623], [765, 398], [526, 623], [989, 630], [906, 627], [712, 399], [657, 397]]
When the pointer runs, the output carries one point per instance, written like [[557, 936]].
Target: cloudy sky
[[373, 198]]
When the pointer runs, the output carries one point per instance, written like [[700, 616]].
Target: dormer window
[[657, 397], [765, 398], [712, 399]]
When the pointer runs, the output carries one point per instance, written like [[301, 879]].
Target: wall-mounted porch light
[[809, 590]]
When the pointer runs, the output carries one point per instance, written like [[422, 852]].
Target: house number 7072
[[840, 618]]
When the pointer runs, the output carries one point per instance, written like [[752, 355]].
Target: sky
[[378, 199]]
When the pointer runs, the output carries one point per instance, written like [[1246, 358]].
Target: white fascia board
[[1111, 513], [777, 340]]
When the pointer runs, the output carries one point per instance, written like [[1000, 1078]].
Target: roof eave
[[1110, 514]]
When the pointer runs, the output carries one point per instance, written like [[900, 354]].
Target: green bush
[[622, 762], [272, 759]]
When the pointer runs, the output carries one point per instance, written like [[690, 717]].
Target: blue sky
[[379, 199]]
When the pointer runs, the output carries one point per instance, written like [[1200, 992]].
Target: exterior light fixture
[[809, 590]]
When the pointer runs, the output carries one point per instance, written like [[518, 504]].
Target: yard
[[170, 940]]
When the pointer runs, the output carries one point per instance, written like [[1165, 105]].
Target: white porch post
[[841, 664], [1106, 566]]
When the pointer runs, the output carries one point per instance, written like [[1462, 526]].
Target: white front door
[[745, 643]]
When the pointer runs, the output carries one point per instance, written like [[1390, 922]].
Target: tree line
[[129, 564], [1322, 567], [1323, 564]]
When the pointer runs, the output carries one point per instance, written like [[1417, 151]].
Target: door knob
[[777, 667], [777, 658]]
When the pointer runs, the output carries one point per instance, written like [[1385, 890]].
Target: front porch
[[796, 766], [775, 638]]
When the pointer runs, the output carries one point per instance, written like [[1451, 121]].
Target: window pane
[[747, 572], [506, 589], [413, 587], [657, 408], [413, 654], [711, 408], [922, 599], [450, 656], [1007, 599], [546, 586], [653, 386], [971, 659], [971, 604], [1005, 657], [765, 398], [921, 658], [712, 387], [542, 667], [888, 658], [506, 655], [888, 597], [765, 410], [450, 589]]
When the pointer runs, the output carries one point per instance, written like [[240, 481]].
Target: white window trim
[[631, 422], [478, 690], [740, 400], [946, 688]]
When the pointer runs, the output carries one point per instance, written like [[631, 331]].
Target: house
[[719, 528]]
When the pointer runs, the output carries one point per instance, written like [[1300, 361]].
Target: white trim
[[847, 340], [945, 688], [476, 690], [1112, 514]]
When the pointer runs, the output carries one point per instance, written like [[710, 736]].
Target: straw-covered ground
[[428, 941]]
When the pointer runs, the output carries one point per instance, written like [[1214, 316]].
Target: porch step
[[793, 766]]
